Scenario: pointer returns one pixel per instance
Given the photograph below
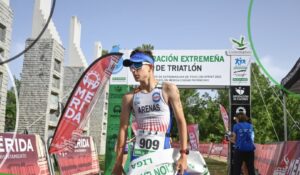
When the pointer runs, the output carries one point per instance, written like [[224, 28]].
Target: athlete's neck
[[148, 86]]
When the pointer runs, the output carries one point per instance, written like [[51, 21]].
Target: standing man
[[152, 104], [243, 137]]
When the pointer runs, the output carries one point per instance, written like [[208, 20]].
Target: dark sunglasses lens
[[137, 65]]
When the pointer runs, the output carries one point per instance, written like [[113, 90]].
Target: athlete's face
[[141, 70]]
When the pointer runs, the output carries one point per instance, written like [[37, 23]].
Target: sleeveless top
[[152, 114]]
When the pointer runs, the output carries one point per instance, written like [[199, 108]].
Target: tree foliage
[[10, 113], [146, 47]]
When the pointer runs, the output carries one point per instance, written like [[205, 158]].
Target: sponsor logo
[[83, 143], [240, 90], [118, 88], [137, 101], [81, 98], [239, 70], [118, 78], [240, 61], [240, 94], [91, 80], [240, 109], [288, 166], [117, 109], [156, 97], [118, 67], [239, 44], [15, 145]]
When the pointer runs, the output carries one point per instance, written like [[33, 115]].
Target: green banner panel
[[116, 93]]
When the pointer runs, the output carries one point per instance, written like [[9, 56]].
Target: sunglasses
[[138, 65]]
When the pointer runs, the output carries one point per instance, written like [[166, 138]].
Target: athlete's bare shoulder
[[170, 91], [128, 96], [169, 88]]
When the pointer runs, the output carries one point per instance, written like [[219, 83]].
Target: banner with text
[[81, 102], [82, 160], [240, 94], [22, 154], [163, 161], [209, 68], [240, 67], [288, 162], [266, 157]]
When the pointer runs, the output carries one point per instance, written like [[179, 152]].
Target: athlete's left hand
[[181, 164]]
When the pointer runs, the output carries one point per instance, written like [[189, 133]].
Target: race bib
[[147, 142]]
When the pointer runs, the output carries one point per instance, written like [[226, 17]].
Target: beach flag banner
[[224, 116], [81, 102]]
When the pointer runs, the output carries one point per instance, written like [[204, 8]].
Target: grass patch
[[101, 159], [216, 167]]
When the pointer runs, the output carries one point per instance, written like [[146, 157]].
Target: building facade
[[6, 18], [42, 76], [41, 87]]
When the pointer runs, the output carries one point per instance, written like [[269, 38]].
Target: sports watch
[[184, 151]]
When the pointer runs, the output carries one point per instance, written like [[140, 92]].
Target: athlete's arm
[[173, 97], [124, 123]]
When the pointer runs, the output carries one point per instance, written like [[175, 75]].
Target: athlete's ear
[[152, 67]]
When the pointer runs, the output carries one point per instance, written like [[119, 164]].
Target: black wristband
[[184, 151]]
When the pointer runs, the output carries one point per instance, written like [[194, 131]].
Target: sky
[[172, 24]]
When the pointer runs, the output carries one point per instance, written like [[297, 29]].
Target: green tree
[[10, 116], [265, 112], [10, 113], [293, 117], [104, 52], [146, 47]]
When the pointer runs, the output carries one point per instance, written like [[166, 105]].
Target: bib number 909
[[149, 144]]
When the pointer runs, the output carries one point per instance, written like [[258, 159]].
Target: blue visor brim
[[138, 57]]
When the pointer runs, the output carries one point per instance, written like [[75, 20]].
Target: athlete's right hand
[[118, 169]]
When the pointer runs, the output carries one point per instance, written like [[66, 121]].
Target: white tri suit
[[154, 119]]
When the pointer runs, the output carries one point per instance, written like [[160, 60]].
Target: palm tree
[[146, 47]]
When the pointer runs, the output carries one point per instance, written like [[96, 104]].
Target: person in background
[[126, 150], [243, 138]]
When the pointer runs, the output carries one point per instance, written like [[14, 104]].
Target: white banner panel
[[184, 68], [240, 70]]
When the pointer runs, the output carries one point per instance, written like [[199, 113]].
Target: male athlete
[[152, 104]]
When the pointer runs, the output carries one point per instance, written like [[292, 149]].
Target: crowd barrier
[[278, 158], [26, 154], [83, 159], [210, 149], [22, 154], [270, 159]]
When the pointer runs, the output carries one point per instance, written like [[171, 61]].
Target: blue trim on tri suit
[[167, 143]]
